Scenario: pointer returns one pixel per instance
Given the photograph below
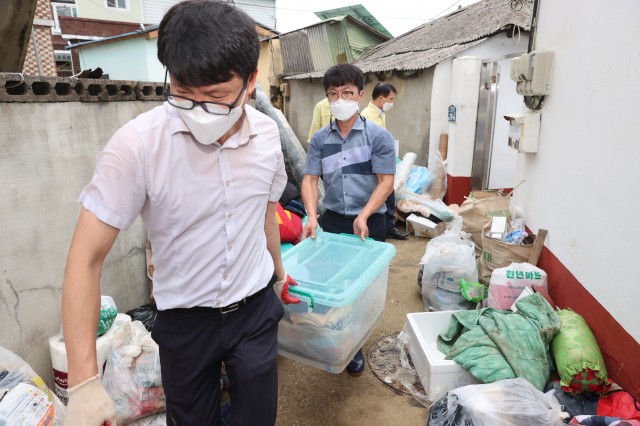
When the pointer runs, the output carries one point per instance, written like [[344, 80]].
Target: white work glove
[[90, 405], [282, 289]]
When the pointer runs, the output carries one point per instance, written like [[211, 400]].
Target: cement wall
[[582, 183], [47, 154], [408, 121]]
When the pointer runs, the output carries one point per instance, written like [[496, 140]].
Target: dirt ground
[[309, 396]]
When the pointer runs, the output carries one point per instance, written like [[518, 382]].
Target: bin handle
[[355, 236], [302, 293]]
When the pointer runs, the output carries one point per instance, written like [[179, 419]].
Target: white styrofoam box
[[437, 375]]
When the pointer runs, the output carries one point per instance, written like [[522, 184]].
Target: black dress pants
[[337, 223], [193, 343]]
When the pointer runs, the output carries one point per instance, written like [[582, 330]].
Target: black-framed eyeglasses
[[347, 95], [217, 108]]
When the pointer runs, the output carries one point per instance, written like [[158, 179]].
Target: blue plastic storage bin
[[342, 282]]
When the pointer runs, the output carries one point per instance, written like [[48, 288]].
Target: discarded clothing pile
[[496, 345]]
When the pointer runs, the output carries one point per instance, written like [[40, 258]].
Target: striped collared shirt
[[349, 166]]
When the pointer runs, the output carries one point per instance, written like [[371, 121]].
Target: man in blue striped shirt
[[356, 159]]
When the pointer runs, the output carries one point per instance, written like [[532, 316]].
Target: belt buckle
[[230, 308]]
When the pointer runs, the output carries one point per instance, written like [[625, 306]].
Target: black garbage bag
[[146, 314]]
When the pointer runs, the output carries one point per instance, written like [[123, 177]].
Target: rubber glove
[[90, 405], [282, 289]]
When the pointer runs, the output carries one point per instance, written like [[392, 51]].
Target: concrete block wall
[[48, 150], [17, 88]]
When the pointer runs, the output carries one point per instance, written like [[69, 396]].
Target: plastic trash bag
[[132, 376], [448, 259], [403, 169], [419, 179], [513, 402], [24, 397], [146, 314], [438, 183]]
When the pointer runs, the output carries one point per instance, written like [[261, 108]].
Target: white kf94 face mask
[[387, 106], [207, 128], [343, 110]]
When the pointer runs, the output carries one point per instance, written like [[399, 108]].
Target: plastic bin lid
[[336, 268]]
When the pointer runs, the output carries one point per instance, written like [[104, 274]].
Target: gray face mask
[[208, 128]]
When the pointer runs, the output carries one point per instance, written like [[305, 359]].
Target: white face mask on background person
[[207, 128], [387, 106], [343, 110]]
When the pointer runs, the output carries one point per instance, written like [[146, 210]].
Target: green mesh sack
[[577, 356]]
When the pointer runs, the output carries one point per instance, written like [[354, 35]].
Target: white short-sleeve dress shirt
[[203, 205]]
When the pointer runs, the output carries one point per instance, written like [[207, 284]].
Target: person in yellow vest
[[383, 96], [321, 117]]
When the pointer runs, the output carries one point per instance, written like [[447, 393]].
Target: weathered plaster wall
[[47, 154]]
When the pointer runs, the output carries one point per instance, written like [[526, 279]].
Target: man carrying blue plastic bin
[[356, 159]]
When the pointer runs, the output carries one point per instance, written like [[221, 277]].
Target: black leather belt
[[237, 305], [346, 216]]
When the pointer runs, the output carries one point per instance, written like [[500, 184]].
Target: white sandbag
[[507, 283]]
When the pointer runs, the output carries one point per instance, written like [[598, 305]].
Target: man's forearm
[[90, 244], [272, 233], [309, 189], [80, 312]]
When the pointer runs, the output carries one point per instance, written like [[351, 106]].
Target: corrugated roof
[[317, 47], [359, 12], [441, 38]]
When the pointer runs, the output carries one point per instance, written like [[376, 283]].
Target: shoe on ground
[[394, 233], [356, 366], [225, 413]]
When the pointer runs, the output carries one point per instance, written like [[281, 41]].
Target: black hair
[[383, 89], [342, 75], [203, 42]]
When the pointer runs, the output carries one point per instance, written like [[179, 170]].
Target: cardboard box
[[423, 227], [498, 227]]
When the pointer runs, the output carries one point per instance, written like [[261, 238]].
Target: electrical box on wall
[[532, 73], [524, 131]]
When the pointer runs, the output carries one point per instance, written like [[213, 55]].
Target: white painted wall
[[47, 153], [583, 183], [97, 9], [503, 160], [440, 101], [133, 59], [465, 83], [262, 11]]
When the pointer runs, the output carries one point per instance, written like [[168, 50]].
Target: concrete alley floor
[[309, 396]]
